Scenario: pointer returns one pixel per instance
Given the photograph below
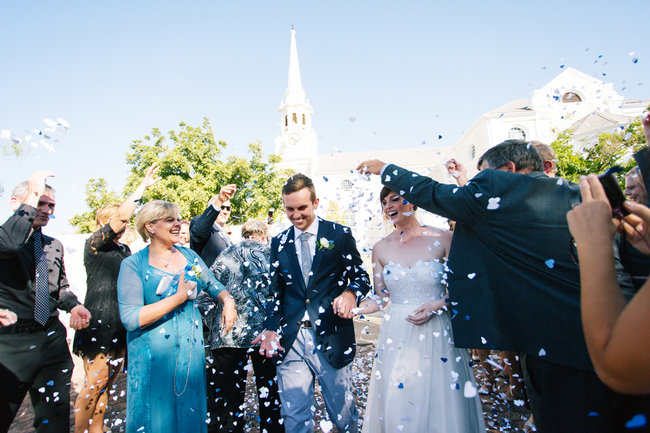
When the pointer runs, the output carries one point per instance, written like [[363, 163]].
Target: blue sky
[[406, 72]]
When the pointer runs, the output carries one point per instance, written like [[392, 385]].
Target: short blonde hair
[[153, 211], [254, 227], [104, 215]]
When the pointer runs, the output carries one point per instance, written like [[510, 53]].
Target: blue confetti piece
[[636, 421], [467, 317], [443, 359], [635, 60], [401, 385], [439, 137], [550, 263], [50, 383], [326, 179], [404, 202], [46, 421], [592, 414]]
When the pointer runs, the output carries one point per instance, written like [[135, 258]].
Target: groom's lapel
[[325, 229], [290, 250]]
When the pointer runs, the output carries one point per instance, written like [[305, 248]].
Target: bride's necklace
[[168, 263], [404, 239]]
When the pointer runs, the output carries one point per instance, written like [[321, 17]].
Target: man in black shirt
[[34, 354]]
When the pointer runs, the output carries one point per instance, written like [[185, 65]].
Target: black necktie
[[42, 295]]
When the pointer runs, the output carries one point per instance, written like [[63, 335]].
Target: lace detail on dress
[[414, 285]]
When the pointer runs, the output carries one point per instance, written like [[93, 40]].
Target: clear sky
[[379, 74]]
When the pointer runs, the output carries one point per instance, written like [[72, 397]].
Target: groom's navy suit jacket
[[514, 284], [333, 271]]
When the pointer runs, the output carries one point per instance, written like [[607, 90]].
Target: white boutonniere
[[324, 244]]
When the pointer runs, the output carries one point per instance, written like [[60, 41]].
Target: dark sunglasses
[[225, 207]]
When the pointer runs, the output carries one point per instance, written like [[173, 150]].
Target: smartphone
[[614, 194]]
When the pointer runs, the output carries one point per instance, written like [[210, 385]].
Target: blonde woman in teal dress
[[157, 290]]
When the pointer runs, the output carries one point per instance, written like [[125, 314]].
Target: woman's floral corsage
[[193, 271], [324, 244]]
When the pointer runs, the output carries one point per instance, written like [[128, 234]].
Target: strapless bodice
[[414, 285]]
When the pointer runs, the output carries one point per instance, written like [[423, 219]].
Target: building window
[[516, 134], [569, 97], [346, 184], [349, 216], [471, 152], [303, 119], [295, 118], [286, 121]]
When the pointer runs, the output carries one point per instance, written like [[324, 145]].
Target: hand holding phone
[[614, 194]]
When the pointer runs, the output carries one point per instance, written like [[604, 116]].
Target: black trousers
[[227, 387], [567, 400], [38, 362]]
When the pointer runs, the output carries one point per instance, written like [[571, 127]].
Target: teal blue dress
[[166, 361]]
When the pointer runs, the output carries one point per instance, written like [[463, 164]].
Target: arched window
[[516, 134], [569, 97], [295, 118], [303, 119]]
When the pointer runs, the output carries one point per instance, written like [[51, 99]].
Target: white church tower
[[297, 143]]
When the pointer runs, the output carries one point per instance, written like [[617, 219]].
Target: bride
[[420, 382]]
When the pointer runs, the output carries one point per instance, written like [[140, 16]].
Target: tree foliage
[[193, 169], [97, 196], [609, 149]]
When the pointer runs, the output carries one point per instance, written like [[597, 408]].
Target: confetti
[[493, 203], [636, 422], [469, 391]]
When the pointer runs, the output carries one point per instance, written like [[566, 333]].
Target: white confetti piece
[[471, 276], [469, 391], [493, 203], [542, 352]]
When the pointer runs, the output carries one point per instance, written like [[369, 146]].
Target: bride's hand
[[425, 312]]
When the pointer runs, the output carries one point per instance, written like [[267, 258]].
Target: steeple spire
[[297, 143], [295, 93]]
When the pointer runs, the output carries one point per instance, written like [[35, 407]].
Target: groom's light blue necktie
[[305, 256]]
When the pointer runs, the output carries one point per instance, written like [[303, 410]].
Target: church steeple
[[297, 143], [295, 94]]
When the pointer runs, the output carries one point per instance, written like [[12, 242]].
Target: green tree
[[97, 196], [193, 169], [610, 149]]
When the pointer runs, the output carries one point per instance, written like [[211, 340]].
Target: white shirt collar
[[313, 229]]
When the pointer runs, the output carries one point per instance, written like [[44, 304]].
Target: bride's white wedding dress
[[420, 380]]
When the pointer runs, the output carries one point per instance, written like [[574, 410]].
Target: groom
[[317, 279]]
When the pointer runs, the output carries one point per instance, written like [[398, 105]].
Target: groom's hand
[[269, 344], [344, 304]]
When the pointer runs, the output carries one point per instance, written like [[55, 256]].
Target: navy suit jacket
[[514, 284], [205, 238], [333, 271]]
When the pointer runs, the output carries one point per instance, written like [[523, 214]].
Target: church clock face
[[295, 137]]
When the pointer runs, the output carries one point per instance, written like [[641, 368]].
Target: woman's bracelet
[[226, 298]]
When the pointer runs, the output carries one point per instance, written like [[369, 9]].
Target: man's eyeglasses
[[225, 208]]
